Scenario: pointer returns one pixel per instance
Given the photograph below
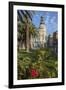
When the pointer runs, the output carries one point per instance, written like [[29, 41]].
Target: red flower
[[34, 73]]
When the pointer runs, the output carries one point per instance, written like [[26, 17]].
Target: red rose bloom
[[34, 73]]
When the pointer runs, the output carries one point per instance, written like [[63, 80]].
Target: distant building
[[42, 33], [52, 41], [41, 40], [55, 41]]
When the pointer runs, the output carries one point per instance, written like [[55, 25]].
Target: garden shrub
[[40, 63]]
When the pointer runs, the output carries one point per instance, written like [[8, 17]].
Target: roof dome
[[42, 23]]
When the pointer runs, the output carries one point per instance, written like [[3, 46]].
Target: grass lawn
[[40, 63]]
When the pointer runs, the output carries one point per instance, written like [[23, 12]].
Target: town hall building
[[40, 40]]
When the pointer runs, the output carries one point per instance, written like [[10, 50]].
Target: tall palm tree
[[26, 18], [32, 33], [21, 35]]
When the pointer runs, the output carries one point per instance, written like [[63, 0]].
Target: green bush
[[42, 62]]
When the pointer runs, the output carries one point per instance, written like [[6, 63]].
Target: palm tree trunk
[[27, 37], [31, 46]]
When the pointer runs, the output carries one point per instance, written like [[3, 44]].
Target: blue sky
[[50, 19]]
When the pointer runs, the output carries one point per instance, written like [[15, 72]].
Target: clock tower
[[42, 32]]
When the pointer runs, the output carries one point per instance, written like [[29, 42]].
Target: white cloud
[[53, 19], [47, 18]]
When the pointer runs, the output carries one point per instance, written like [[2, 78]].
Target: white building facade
[[40, 40]]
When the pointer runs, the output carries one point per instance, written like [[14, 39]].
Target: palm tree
[[32, 33], [21, 35], [26, 18]]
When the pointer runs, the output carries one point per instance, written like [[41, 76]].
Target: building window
[[42, 37]]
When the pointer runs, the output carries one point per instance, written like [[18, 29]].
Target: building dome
[[41, 40], [42, 26], [42, 31]]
